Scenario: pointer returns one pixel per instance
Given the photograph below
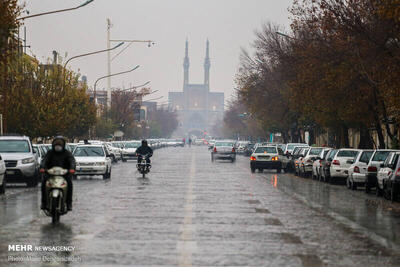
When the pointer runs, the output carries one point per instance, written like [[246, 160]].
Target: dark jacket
[[63, 159], [143, 150]]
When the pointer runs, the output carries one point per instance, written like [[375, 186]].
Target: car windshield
[[87, 151], [315, 151], [14, 146], [224, 144], [347, 153], [132, 145], [380, 155], [266, 150]]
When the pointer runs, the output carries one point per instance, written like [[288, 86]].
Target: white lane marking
[[186, 245]]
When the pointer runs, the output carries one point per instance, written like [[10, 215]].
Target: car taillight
[[356, 169], [397, 172], [274, 158], [320, 163], [233, 150], [372, 169], [336, 162], [253, 158], [215, 149]]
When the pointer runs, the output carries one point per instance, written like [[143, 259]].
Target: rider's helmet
[[58, 141], [144, 142]]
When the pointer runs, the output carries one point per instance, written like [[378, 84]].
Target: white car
[[92, 160], [129, 150], [388, 167], [290, 147], [308, 161], [317, 164], [2, 176], [339, 169], [358, 169], [268, 157]]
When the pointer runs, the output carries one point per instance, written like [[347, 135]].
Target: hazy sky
[[229, 25]]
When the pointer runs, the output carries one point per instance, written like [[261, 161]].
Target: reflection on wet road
[[191, 212]]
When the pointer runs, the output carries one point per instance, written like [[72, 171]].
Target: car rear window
[[14, 146], [380, 155], [266, 150], [366, 155], [87, 151], [223, 144], [315, 151], [347, 153]]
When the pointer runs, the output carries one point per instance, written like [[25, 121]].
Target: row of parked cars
[[372, 169], [20, 159]]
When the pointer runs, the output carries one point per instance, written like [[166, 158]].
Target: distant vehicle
[[224, 150], [129, 150], [241, 146], [267, 157], [71, 146], [21, 160], [249, 150], [92, 160], [299, 161], [358, 169]]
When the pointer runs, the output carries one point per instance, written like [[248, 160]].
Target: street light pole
[[137, 86], [56, 11], [110, 75], [87, 54]]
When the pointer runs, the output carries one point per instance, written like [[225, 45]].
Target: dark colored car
[[326, 165]]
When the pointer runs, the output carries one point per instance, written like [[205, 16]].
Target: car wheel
[[253, 170], [367, 188], [3, 186], [378, 191], [124, 160], [279, 170], [105, 176], [348, 185]]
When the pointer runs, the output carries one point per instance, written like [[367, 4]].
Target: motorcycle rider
[[58, 156], [144, 149]]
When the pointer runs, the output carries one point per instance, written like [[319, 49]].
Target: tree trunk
[[365, 139]]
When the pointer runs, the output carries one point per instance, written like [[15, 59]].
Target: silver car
[[224, 150], [22, 165]]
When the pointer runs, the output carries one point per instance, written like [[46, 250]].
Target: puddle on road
[[261, 210], [311, 260], [272, 221], [253, 201], [290, 238]]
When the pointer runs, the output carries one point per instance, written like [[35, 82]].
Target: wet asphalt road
[[191, 212]]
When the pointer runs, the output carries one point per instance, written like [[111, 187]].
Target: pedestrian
[[184, 141], [190, 142]]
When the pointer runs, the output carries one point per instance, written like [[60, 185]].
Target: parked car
[[317, 164], [290, 147], [39, 152], [391, 186], [2, 176], [292, 158], [92, 160], [387, 168], [307, 162], [20, 159], [341, 163], [358, 170], [374, 164], [267, 157], [298, 162], [248, 150], [224, 150], [325, 173]]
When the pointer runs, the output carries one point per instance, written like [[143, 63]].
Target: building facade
[[198, 108]]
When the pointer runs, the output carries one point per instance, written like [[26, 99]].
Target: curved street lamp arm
[[55, 11], [137, 86]]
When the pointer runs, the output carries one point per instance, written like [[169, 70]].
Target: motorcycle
[[56, 193], [143, 167]]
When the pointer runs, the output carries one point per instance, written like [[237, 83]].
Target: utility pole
[[109, 25]]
